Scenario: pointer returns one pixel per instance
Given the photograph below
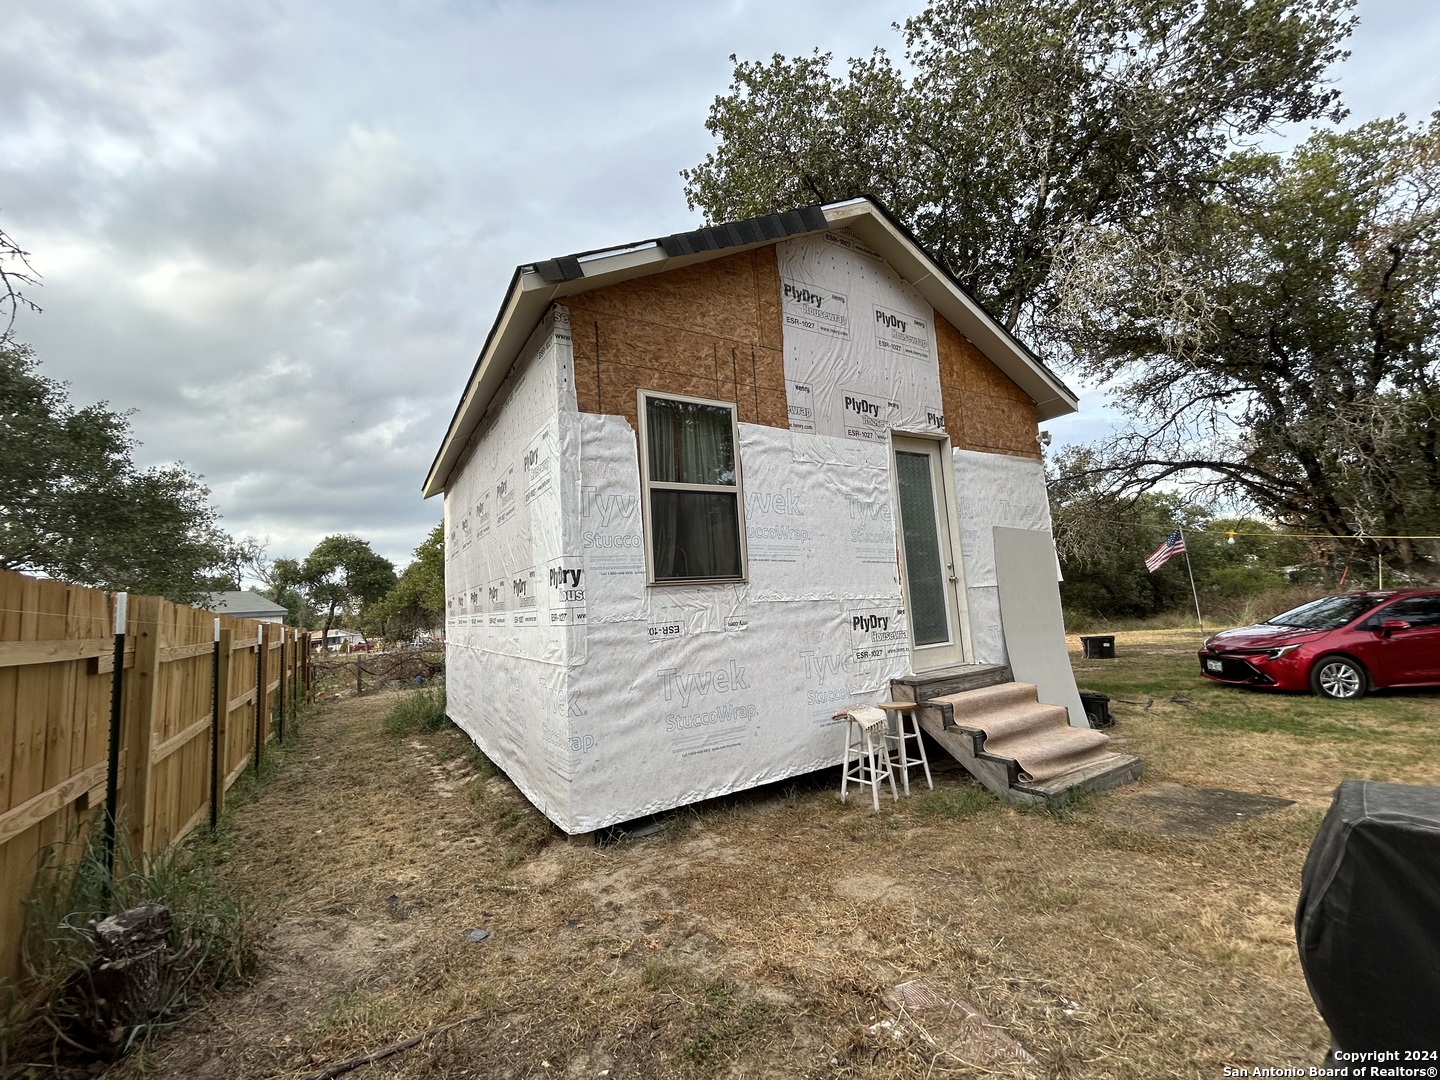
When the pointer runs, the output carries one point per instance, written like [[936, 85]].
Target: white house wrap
[[607, 695]]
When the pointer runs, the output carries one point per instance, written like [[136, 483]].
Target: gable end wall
[[714, 330]]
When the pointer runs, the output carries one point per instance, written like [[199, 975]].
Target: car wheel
[[1338, 677]]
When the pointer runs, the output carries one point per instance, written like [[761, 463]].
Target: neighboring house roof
[[535, 286], [245, 605]]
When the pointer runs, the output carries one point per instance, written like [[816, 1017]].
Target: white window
[[690, 470]]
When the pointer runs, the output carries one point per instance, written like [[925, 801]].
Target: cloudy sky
[[279, 231]]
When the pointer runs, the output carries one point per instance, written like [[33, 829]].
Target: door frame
[[962, 651]]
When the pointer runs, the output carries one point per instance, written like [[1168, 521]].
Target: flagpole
[[1191, 571]]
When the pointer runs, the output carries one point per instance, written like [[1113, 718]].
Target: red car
[[1337, 647]]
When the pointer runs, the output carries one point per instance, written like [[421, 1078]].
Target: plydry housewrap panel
[[993, 490], [696, 691], [860, 352], [605, 700], [515, 606]]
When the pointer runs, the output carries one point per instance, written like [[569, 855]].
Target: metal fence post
[[260, 644], [117, 698], [215, 731]]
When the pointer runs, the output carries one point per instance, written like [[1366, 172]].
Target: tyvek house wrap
[[604, 699], [993, 490], [514, 610], [693, 692]]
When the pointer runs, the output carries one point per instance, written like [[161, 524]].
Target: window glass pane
[[690, 443], [923, 570], [696, 534], [1417, 611], [1329, 613]]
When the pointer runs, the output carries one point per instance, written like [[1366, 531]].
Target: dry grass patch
[[754, 936]]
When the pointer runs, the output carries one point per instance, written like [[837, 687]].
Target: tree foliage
[[1081, 166], [74, 506], [1015, 124], [16, 275], [1103, 540], [1285, 350], [417, 602], [340, 575]]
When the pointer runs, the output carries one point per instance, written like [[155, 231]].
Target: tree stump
[[132, 980]]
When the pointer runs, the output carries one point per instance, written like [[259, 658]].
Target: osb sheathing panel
[[993, 425], [710, 330], [984, 409], [714, 330]]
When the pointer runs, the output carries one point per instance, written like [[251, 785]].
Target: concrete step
[[950, 680], [1099, 774], [1021, 749]]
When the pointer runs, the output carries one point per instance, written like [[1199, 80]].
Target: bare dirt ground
[[755, 936]]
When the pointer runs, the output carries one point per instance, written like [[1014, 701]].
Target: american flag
[[1174, 544]]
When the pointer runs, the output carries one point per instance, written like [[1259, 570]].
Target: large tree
[[73, 504], [1280, 342], [1015, 123], [417, 602], [1103, 538], [341, 574]]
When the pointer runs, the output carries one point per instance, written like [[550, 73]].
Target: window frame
[[647, 485]]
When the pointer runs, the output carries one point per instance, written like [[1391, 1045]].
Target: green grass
[[1166, 676], [721, 1023], [962, 801], [357, 1011], [417, 710], [216, 923], [216, 931]]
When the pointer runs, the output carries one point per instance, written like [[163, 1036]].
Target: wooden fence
[[195, 706]]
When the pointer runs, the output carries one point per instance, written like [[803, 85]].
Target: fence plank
[[32, 688], [185, 652], [161, 751], [25, 653], [223, 673], [280, 696], [17, 819], [59, 701], [10, 603], [142, 698], [56, 665]]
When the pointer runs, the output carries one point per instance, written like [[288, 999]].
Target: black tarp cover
[[1368, 921]]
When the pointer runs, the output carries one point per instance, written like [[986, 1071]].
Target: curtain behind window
[[695, 534]]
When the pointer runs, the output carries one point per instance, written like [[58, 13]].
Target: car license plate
[[1215, 666]]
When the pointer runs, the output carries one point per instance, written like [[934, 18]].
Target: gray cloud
[[280, 231]]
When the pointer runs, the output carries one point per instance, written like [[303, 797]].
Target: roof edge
[[534, 285]]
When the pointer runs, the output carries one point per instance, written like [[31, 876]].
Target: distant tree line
[[343, 582], [1103, 541]]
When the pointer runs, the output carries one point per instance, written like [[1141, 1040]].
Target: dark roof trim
[[755, 230], [565, 268]]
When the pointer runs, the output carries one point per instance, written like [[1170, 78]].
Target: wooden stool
[[897, 735], [867, 752]]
